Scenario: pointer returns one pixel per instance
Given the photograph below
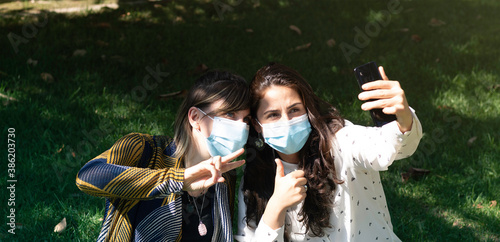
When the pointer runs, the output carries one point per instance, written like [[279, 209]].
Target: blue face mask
[[227, 136], [287, 137]]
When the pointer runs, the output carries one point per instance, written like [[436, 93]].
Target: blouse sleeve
[[246, 233], [119, 173], [377, 147]]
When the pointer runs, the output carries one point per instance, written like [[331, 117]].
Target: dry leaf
[[179, 94], [7, 97], [61, 226], [471, 141], [434, 22], [249, 30], [478, 205], [330, 42], [47, 77], [296, 29], [102, 43], [178, 19], [59, 150], [80, 52], [32, 62], [302, 47], [416, 38], [444, 107], [493, 203]]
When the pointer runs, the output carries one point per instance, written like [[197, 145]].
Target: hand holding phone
[[367, 73]]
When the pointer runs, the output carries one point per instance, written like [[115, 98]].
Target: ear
[[194, 117], [256, 125]]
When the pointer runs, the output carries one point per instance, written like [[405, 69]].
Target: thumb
[[382, 73], [280, 172]]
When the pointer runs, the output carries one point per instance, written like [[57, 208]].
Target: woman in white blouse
[[313, 176]]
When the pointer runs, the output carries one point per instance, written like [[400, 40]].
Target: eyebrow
[[275, 110]]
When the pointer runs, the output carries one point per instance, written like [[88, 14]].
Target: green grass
[[451, 78]]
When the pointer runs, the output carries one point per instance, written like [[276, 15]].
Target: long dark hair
[[316, 157]]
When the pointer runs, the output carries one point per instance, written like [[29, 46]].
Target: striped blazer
[[142, 184]]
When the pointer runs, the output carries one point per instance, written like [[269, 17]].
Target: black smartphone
[[368, 73]]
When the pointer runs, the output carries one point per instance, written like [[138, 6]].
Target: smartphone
[[368, 73]]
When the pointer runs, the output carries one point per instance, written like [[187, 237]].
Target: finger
[[232, 165], [217, 162], [297, 174], [376, 94], [382, 73], [215, 175], [301, 181], [232, 156], [280, 171], [381, 84]]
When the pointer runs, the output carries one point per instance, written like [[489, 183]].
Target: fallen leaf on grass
[[61, 226], [414, 173], [493, 203], [296, 29], [179, 94], [32, 62], [416, 38], [79, 53], [444, 107], [330, 42], [434, 22], [249, 30], [7, 97], [479, 205], [47, 77], [301, 47], [471, 141], [102, 43], [60, 149]]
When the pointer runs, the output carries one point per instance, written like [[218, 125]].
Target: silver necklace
[[202, 229]]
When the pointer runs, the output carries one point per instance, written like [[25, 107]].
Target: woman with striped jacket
[[181, 189]]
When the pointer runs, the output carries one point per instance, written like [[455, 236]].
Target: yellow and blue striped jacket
[[142, 184]]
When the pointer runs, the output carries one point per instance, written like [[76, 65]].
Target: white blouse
[[360, 209]]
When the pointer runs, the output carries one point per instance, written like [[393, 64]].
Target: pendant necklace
[[202, 229]]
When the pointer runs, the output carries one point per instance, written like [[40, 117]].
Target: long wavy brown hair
[[316, 157]]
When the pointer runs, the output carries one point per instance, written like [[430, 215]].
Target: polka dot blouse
[[360, 210]]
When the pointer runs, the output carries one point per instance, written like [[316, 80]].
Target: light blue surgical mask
[[227, 136], [287, 137]]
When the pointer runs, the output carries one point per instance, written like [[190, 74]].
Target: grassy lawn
[[73, 84]]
